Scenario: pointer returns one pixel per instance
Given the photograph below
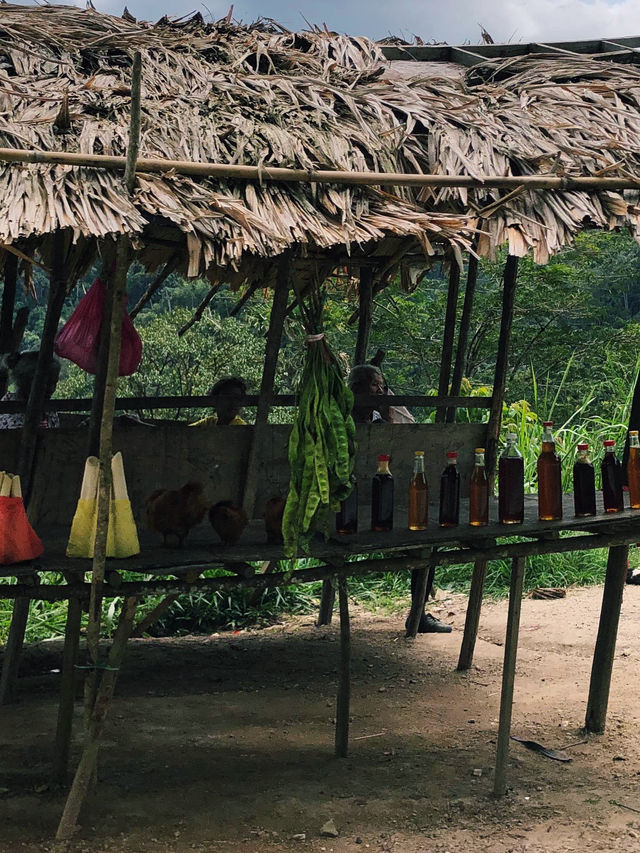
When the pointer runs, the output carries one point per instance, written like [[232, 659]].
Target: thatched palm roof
[[263, 96], [210, 93]]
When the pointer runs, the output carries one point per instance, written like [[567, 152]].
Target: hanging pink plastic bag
[[79, 338]]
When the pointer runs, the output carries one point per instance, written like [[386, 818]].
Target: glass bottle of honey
[[347, 515], [450, 492], [584, 483], [611, 469], [549, 478], [633, 469], [382, 496], [479, 492], [511, 483], [418, 494]]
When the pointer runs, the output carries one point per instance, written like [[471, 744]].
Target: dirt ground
[[224, 743]]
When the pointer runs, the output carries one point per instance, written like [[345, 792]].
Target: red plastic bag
[[18, 539], [79, 338]]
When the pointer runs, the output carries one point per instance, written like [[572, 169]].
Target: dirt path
[[224, 743]]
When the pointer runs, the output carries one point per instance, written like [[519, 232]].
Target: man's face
[[376, 384], [227, 410]]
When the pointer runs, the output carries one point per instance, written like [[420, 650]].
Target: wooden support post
[[602, 666], [447, 337], [365, 298], [327, 600], [39, 385], [418, 599], [472, 619], [274, 337], [67, 691], [8, 302], [463, 333], [508, 675], [500, 374], [86, 768], [152, 617], [344, 685], [13, 647]]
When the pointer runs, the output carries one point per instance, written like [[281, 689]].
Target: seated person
[[21, 368], [367, 379], [227, 411]]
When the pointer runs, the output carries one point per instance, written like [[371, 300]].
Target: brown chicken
[[228, 521], [273, 511], [175, 512]]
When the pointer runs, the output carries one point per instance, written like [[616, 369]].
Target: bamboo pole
[[500, 373], [344, 684], [463, 333], [197, 314], [604, 653], [271, 173], [272, 348], [447, 337], [508, 675], [365, 299], [86, 767]]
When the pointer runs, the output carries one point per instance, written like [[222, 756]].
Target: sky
[[453, 21]]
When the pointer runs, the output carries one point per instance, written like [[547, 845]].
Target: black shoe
[[430, 625], [633, 576]]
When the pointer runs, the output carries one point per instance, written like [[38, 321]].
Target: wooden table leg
[[344, 685], [472, 619], [603, 655], [15, 641], [67, 691], [418, 600], [508, 675], [327, 601]]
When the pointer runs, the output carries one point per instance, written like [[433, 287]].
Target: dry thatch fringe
[[210, 92], [261, 95]]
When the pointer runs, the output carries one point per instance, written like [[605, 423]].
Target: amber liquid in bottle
[[511, 484], [633, 470], [549, 479], [584, 484], [479, 493], [611, 470], [382, 497], [450, 493], [347, 516], [418, 495]]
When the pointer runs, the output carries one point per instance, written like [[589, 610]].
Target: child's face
[[227, 410]]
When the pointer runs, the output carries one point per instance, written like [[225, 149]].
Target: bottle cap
[[418, 452], [584, 446], [609, 443], [479, 449], [633, 432], [384, 457], [547, 423], [451, 454]]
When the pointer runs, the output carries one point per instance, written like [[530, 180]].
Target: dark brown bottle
[[611, 469], [450, 492], [347, 516], [382, 496], [511, 483], [479, 492], [584, 483], [418, 494], [633, 469], [549, 478]]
